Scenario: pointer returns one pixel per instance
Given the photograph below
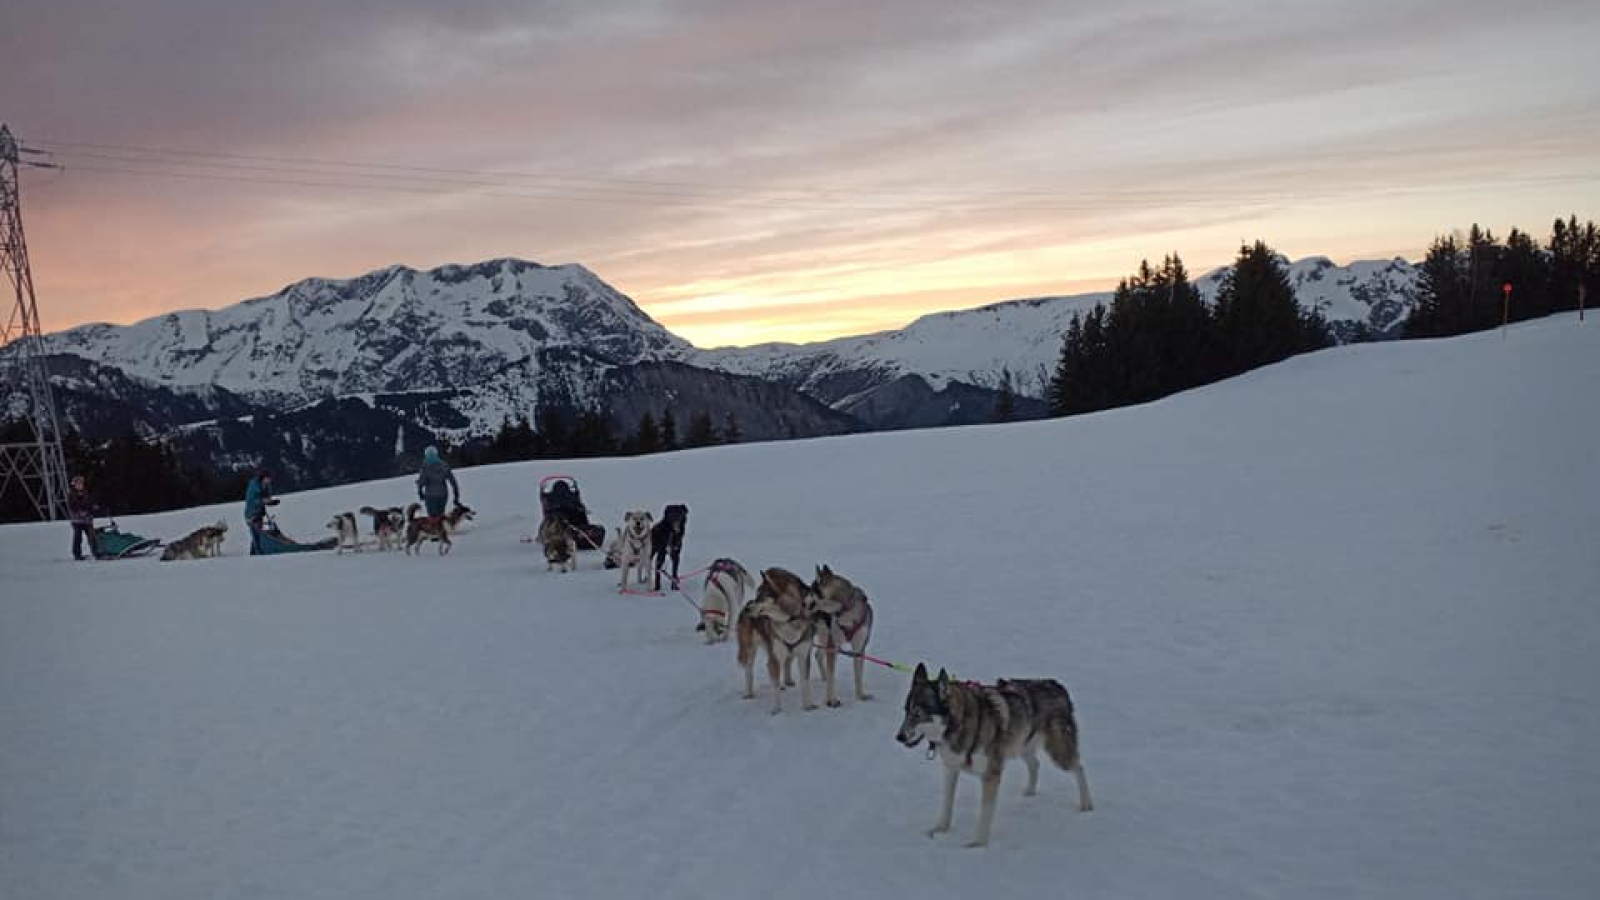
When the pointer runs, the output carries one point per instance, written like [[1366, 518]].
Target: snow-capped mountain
[[319, 378], [1022, 338], [1373, 297], [396, 329]]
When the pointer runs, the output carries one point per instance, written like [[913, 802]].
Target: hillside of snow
[[1329, 628]]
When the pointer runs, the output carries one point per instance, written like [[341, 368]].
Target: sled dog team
[[969, 727], [401, 529]]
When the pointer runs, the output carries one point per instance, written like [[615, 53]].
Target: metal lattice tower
[[36, 466]]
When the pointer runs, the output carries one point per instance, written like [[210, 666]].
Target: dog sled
[[273, 541], [559, 498], [113, 543]]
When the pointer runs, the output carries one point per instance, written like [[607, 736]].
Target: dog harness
[[850, 633]]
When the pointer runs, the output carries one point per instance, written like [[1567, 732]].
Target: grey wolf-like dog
[[976, 728], [201, 543], [560, 549]]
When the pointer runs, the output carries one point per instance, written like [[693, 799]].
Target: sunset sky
[[752, 171]]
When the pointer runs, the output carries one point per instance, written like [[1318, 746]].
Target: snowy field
[[1331, 629]]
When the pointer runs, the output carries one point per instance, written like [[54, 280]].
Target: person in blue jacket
[[257, 497], [436, 483]]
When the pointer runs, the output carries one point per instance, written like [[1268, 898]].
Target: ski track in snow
[[1329, 627]]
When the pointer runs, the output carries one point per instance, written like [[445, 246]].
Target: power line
[[638, 191]]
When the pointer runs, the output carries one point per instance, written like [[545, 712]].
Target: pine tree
[[1258, 320], [553, 441], [1005, 401], [1574, 261], [1527, 268], [701, 432], [648, 438], [593, 435], [1064, 383], [1441, 290], [669, 430]]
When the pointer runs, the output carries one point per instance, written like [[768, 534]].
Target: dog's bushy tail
[[748, 640], [1060, 729]]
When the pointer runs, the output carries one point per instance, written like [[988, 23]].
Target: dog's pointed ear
[[920, 675], [943, 679]]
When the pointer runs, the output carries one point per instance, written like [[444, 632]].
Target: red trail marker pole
[[1505, 312]]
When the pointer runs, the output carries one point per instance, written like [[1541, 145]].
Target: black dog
[[667, 537]]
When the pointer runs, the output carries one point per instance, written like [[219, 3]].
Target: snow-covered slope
[[1329, 628], [396, 329], [1023, 337], [974, 346]]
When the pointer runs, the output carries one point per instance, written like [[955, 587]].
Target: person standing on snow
[[435, 483], [257, 497], [80, 510]]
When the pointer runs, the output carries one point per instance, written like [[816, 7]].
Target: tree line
[[1463, 278], [591, 433], [1158, 337], [127, 475]]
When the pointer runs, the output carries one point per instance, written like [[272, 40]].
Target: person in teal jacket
[[257, 497], [436, 482]]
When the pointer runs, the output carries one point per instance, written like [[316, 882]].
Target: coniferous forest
[[1157, 337]]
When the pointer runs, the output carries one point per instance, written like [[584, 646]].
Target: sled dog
[[344, 525], [726, 583], [976, 728], [425, 528], [781, 621], [633, 546], [457, 515], [666, 539], [560, 550], [388, 525], [845, 618], [201, 543]]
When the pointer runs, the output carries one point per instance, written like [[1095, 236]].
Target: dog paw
[[973, 844], [834, 704], [809, 706], [863, 697], [937, 830], [1030, 792]]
